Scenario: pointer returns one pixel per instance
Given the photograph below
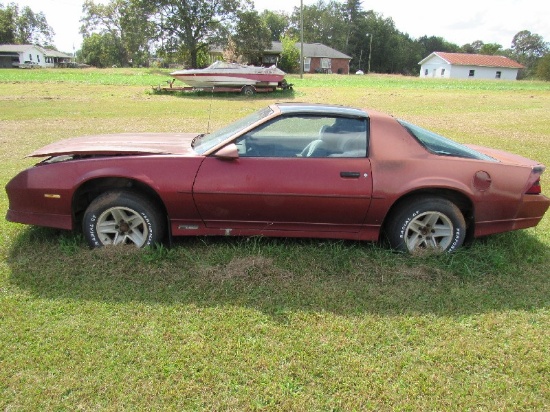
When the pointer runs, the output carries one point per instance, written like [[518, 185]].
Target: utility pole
[[301, 39], [370, 51]]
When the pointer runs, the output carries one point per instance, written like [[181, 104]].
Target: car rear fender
[[459, 198]]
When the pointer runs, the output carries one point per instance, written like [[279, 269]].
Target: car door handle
[[350, 175]]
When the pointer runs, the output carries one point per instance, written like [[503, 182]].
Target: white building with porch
[[13, 55]]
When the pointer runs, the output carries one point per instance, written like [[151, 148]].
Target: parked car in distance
[[287, 170], [29, 65]]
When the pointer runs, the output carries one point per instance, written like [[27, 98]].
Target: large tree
[[190, 27], [102, 50], [7, 24], [277, 23], [527, 45], [527, 48], [252, 36], [24, 26], [353, 15], [123, 23], [324, 22]]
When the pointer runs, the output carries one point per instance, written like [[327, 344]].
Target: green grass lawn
[[270, 324]]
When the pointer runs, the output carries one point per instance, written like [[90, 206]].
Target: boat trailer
[[246, 90]]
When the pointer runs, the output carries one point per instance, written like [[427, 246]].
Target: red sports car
[[288, 170]]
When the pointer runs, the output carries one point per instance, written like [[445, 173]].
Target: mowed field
[[231, 324]]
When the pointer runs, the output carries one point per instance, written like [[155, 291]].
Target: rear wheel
[[122, 218], [427, 225]]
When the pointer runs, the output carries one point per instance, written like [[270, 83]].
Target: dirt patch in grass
[[245, 268]]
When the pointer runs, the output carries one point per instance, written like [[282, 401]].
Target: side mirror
[[228, 152]]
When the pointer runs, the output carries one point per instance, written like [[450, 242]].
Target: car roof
[[319, 109]]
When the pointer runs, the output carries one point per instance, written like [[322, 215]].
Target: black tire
[[428, 224], [123, 218], [248, 91]]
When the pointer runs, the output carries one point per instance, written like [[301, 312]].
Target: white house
[[468, 66], [12, 55]]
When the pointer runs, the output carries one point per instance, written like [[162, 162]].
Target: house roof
[[312, 50], [22, 48], [483, 60]]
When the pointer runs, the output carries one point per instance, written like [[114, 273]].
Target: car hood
[[122, 143], [505, 157]]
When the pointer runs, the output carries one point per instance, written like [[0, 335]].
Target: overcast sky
[[491, 21]]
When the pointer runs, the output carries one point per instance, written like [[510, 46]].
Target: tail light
[[533, 183], [535, 188]]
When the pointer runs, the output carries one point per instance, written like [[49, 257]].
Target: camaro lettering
[[406, 224]]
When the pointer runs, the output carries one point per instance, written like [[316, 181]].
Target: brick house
[[318, 58]]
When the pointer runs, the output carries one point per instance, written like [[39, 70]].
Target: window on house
[[30, 57], [497, 76], [269, 59], [38, 58], [472, 73], [426, 71], [307, 64], [442, 72], [325, 63]]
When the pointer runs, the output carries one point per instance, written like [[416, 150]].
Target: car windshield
[[207, 142], [441, 145]]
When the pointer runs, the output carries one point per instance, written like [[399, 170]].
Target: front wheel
[[427, 224], [122, 218]]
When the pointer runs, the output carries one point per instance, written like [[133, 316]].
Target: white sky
[[460, 22]]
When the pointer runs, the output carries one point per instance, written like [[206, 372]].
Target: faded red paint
[[332, 197]]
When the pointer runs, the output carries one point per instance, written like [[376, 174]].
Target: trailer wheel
[[248, 91]]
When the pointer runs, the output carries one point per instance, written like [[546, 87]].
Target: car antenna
[[210, 112]]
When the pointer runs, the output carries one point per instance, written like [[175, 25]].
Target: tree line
[[133, 32]]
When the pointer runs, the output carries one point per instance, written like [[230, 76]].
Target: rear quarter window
[[442, 146]]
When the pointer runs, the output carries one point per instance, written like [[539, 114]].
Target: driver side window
[[306, 136]]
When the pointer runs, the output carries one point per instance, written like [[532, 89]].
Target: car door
[[296, 173]]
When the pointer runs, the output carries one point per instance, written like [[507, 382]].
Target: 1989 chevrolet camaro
[[288, 170]]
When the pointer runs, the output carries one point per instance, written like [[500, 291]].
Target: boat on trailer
[[232, 75]]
